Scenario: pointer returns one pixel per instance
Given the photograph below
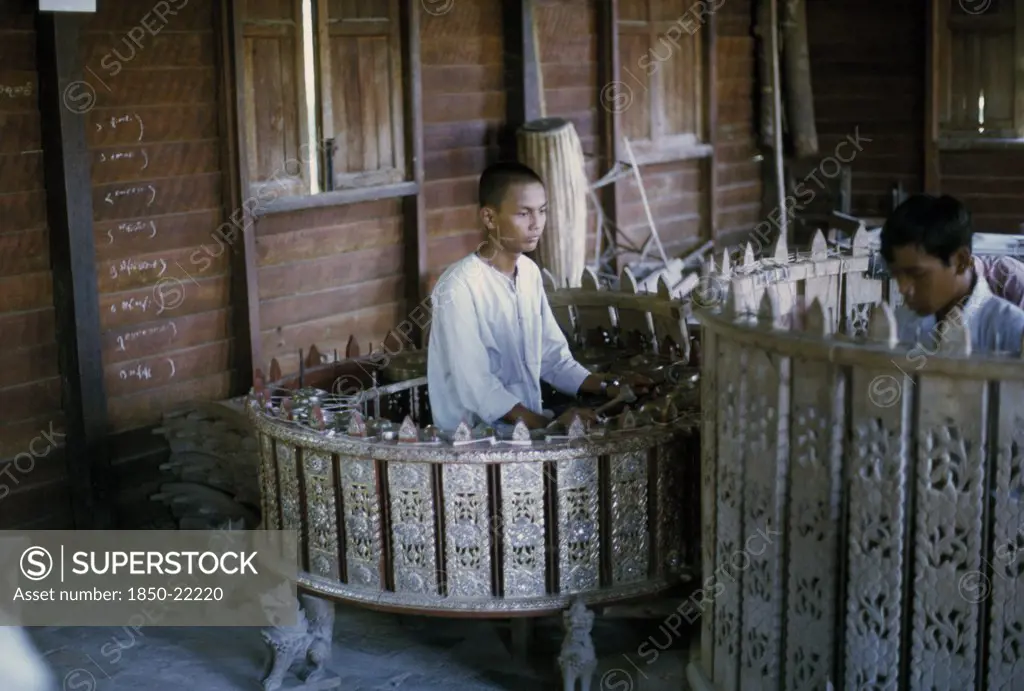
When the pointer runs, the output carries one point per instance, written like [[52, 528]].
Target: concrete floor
[[372, 652]]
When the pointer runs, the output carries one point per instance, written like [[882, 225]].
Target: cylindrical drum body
[[552, 148]]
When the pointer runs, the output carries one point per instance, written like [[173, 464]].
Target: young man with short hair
[[926, 243], [493, 337]]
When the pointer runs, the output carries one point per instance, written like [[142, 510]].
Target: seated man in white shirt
[[926, 243], [493, 337]]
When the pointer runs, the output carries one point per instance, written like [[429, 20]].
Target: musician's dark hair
[[497, 178], [938, 225]]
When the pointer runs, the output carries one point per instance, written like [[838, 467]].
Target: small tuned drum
[[478, 526]]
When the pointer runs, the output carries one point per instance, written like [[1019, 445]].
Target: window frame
[[661, 147], [949, 137], [407, 89]]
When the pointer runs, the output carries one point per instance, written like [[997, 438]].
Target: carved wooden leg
[[285, 644], [320, 614], [521, 629]]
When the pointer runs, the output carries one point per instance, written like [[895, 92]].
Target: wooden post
[[522, 71], [797, 66], [73, 259], [711, 123], [251, 309], [764, 71], [776, 123], [414, 208], [608, 84], [244, 294], [933, 44]]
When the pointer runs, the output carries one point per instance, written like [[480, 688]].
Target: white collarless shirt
[[492, 340], [995, 324]]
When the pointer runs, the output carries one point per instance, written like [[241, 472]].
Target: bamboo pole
[[797, 67]]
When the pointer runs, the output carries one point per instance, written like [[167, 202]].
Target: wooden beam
[[414, 208], [933, 43], [610, 107], [251, 309], [522, 70], [68, 180], [243, 264], [780, 172], [711, 89], [356, 195]]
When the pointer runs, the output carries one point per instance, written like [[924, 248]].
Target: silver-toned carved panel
[[669, 519], [579, 536], [1006, 632], [629, 526], [362, 522], [411, 496], [322, 514], [722, 591], [876, 479], [709, 461], [766, 442], [812, 535], [288, 472], [947, 536], [268, 483], [523, 529], [468, 531]]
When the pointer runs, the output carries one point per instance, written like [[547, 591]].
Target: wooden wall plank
[[150, 339], [310, 243], [136, 411], [173, 299], [319, 274], [112, 126], [25, 365]]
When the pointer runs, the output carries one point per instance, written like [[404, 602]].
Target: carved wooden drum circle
[[861, 508], [478, 528]]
